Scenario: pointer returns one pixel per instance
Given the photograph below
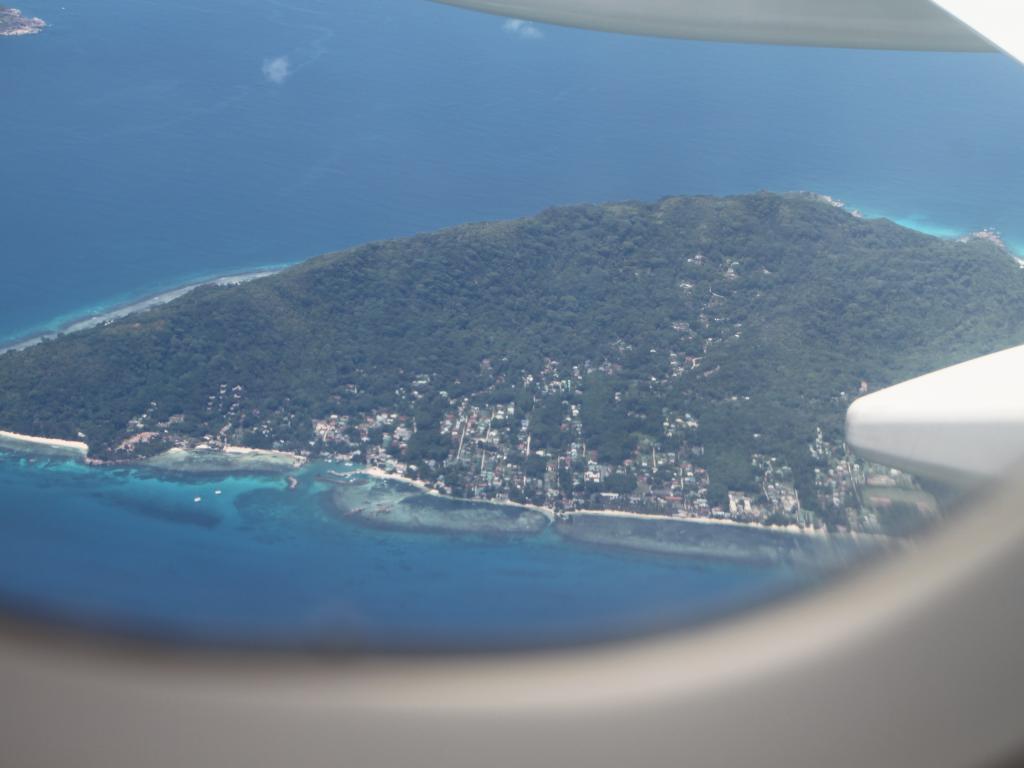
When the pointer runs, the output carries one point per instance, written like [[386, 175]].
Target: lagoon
[[254, 564]]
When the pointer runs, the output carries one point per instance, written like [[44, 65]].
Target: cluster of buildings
[[486, 445], [492, 453]]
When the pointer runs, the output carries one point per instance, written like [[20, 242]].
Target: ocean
[[257, 565], [151, 144]]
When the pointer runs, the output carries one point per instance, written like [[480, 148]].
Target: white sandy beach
[[32, 441], [791, 529], [381, 474]]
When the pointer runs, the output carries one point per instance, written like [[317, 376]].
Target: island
[[687, 359], [13, 23]]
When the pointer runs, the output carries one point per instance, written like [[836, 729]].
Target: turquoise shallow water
[[260, 565]]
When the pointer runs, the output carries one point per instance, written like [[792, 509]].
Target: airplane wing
[[960, 426], [893, 24], [1001, 22]]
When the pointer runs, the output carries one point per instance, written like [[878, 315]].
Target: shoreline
[[552, 515], [927, 227], [240, 459], [793, 530], [715, 539], [53, 443], [232, 458], [119, 311], [381, 474]]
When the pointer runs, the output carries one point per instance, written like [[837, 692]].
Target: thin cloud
[[524, 29], [277, 70]]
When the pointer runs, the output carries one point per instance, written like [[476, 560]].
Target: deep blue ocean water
[[258, 564], [146, 144]]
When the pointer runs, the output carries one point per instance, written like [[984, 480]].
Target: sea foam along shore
[[133, 307], [16, 441]]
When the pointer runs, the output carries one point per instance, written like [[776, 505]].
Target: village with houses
[[492, 457]]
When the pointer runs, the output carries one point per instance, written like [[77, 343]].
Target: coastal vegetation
[[729, 334]]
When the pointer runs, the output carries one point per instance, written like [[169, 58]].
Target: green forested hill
[[786, 300]]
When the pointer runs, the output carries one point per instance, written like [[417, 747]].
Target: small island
[[641, 372], [13, 23]]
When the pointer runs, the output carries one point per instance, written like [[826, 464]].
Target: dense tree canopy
[[786, 300]]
